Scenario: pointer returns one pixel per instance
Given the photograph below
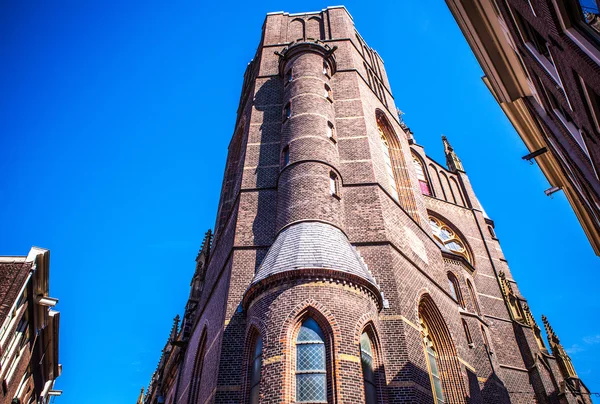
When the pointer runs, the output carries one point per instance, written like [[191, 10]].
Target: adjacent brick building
[[29, 334], [346, 265], [541, 60]]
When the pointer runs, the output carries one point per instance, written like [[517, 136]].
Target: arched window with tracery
[[421, 175], [455, 289], [448, 237], [442, 363], [368, 367], [432, 357], [400, 186], [255, 370], [311, 368], [389, 168]]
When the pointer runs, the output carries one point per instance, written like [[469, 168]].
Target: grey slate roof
[[312, 245]]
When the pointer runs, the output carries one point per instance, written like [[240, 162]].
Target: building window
[[467, 333], [289, 76], [255, 371], [455, 289], [328, 93], [432, 365], [448, 237], [334, 187], [311, 373], [197, 371], [325, 68], [287, 111], [473, 297], [567, 121], [534, 38], [368, 368], [584, 15], [423, 183], [592, 102], [388, 163], [285, 156], [331, 132], [492, 232]]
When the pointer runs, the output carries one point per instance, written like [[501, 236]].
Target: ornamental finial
[[452, 161]]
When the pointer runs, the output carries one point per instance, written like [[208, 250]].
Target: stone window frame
[[254, 338], [196, 380]]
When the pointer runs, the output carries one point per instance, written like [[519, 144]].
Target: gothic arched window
[[388, 163], [455, 289], [448, 237], [197, 371], [368, 368], [421, 176], [473, 297], [432, 357], [255, 370], [311, 369]]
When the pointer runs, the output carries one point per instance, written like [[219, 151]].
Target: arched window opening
[[287, 111], [328, 93], [197, 370], [325, 68], [473, 297], [432, 357], [289, 76], [455, 289], [255, 371], [423, 182], [368, 368], [334, 187], [388, 163], [285, 156], [311, 370], [467, 333], [331, 132], [448, 237]]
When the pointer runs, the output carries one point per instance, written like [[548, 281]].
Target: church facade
[[346, 266]]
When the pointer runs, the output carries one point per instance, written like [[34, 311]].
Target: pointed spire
[[559, 352], [452, 161], [175, 328], [204, 252], [140, 399]]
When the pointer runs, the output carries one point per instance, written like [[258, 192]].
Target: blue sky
[[114, 124]]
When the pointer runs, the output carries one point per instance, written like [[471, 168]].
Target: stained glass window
[[434, 372], [368, 368], [311, 373], [448, 237]]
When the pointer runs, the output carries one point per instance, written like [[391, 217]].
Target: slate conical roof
[[312, 245]]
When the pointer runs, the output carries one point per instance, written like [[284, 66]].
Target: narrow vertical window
[[255, 370], [455, 289], [331, 132], [333, 184], [285, 156], [287, 111], [325, 68], [434, 372], [388, 164], [311, 373], [423, 183], [492, 233], [368, 368], [473, 297], [327, 93], [467, 333], [289, 76]]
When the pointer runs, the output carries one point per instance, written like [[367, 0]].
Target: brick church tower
[[347, 266]]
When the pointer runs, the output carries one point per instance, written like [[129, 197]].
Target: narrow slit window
[[287, 111], [467, 333], [368, 368], [331, 132], [333, 184], [255, 372], [328, 93], [325, 69], [473, 297], [289, 76], [285, 156]]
